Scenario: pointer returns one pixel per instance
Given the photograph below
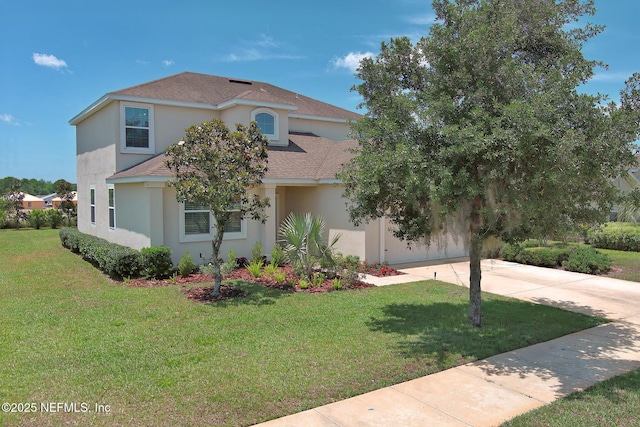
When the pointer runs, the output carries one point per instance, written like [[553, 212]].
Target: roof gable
[[218, 92]]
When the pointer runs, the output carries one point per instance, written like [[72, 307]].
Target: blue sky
[[57, 57]]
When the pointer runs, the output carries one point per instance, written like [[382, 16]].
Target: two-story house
[[123, 191]]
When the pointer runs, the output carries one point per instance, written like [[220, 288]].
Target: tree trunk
[[475, 250], [215, 250], [475, 295]]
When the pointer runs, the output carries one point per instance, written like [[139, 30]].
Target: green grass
[[615, 403], [626, 265], [68, 334]]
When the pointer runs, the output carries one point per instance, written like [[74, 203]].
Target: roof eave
[[137, 179], [319, 118]]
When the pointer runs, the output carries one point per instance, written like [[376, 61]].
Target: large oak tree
[[480, 128]]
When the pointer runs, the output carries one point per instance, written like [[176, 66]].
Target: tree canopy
[[218, 168], [480, 128]]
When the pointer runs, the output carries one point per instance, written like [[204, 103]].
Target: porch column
[[271, 225]]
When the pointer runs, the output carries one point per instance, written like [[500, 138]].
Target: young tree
[[64, 190], [479, 129], [14, 198], [217, 168]]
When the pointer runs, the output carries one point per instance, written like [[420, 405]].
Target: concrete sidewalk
[[490, 391]]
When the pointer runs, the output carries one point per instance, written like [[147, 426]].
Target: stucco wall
[[329, 130], [96, 140]]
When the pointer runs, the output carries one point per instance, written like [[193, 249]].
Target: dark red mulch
[[205, 294], [380, 270], [179, 280]]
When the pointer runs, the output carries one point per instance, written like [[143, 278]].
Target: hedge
[[157, 261], [115, 260], [582, 259], [619, 236]]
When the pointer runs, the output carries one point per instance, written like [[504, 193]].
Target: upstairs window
[[137, 128], [267, 122]]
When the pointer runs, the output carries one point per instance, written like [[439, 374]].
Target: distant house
[[627, 183], [32, 202], [48, 199], [55, 202], [123, 191]]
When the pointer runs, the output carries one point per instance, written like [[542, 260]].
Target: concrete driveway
[[491, 391]]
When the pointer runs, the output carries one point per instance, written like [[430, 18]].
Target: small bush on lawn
[[186, 265], [277, 255], [157, 261], [586, 259], [37, 218], [616, 235], [115, 260], [54, 218]]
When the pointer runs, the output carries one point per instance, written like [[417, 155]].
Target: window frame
[[111, 204], [275, 136], [187, 238], [123, 129], [92, 205]]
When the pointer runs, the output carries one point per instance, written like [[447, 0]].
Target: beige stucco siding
[[97, 137], [336, 131]]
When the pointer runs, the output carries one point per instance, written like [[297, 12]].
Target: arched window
[[267, 122]]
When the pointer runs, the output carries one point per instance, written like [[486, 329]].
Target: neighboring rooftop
[[218, 92]]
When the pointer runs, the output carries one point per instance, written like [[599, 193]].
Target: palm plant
[[304, 243]]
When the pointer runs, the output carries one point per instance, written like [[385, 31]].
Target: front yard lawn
[[68, 334], [615, 402]]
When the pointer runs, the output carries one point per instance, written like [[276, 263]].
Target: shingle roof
[[206, 89], [307, 157]]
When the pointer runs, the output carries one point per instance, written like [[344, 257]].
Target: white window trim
[[188, 238], [109, 208], [276, 122], [92, 206], [123, 134]]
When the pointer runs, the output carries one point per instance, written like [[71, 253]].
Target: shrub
[[54, 218], [37, 218], [303, 284], [336, 284], [616, 235], [115, 260], [317, 279], [157, 261], [277, 255], [279, 276], [230, 265], [256, 252], [270, 269], [255, 268], [510, 251], [186, 266], [586, 259]]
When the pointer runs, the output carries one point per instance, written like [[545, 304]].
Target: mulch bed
[[204, 294]]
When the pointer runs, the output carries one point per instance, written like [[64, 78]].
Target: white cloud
[[351, 61], [426, 19], [264, 48], [606, 76], [141, 62], [168, 62], [9, 119], [48, 61]]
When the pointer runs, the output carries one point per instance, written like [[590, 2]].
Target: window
[[92, 204], [137, 128], [196, 219], [112, 208], [267, 122], [196, 224]]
